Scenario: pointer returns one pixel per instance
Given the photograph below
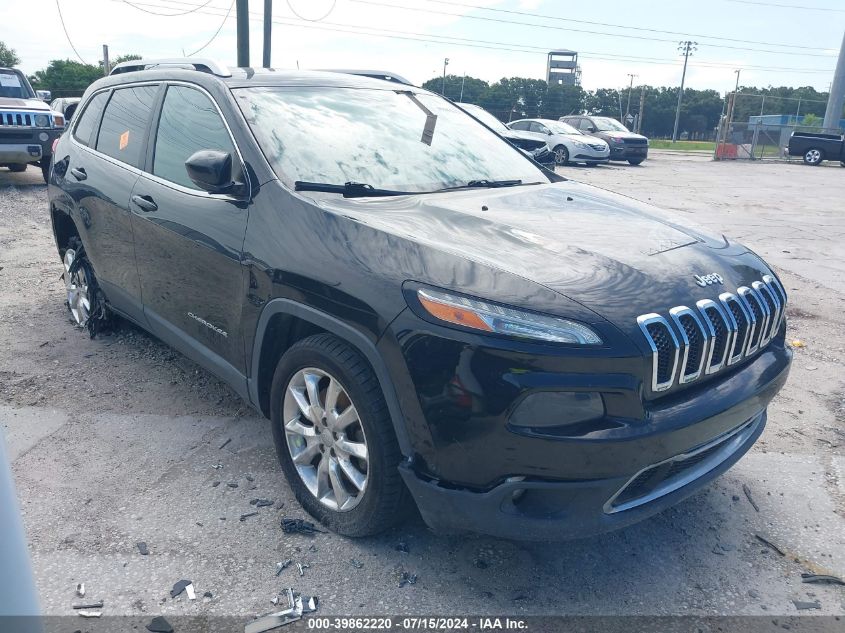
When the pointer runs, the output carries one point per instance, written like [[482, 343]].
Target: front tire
[[45, 169], [813, 156], [636, 161], [85, 300], [17, 167], [334, 438], [561, 155]]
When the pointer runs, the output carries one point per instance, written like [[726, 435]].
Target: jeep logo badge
[[708, 280]]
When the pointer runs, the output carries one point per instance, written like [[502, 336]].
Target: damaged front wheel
[[84, 299]]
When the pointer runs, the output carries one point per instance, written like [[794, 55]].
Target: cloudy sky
[[782, 42]]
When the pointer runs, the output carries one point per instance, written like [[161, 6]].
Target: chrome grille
[[18, 119], [713, 335]]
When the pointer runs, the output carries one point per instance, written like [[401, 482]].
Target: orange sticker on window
[[124, 139]]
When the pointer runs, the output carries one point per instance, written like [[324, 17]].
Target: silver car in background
[[568, 144]]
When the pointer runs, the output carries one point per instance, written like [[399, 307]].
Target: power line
[[327, 13], [67, 35], [486, 44], [787, 6], [168, 15], [623, 26], [560, 28], [217, 32]]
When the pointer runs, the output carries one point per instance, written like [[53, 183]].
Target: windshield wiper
[[488, 184], [349, 189]]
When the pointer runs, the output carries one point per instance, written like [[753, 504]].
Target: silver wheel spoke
[[301, 402], [332, 392], [297, 427], [312, 384], [358, 479], [340, 494], [354, 449], [323, 485], [346, 418], [307, 455]]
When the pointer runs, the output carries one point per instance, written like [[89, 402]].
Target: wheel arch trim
[[348, 334]]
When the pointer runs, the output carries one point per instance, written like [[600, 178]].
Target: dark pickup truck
[[815, 148]]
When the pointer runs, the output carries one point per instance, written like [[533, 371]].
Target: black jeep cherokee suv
[[425, 315]]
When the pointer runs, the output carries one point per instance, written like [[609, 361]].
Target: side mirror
[[211, 170], [548, 132], [44, 95], [592, 130]]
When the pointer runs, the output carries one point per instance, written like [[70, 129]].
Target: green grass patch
[[683, 146]]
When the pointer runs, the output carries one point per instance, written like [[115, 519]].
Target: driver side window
[[189, 122]]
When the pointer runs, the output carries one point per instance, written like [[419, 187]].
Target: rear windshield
[[390, 139], [13, 86]]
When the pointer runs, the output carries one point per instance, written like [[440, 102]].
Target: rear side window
[[88, 120], [520, 125], [124, 125], [189, 122]]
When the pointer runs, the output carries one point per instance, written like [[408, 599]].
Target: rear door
[[188, 242], [101, 172]]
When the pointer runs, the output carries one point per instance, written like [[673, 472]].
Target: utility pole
[[833, 112], [106, 66], [443, 87], [461, 99], [268, 29], [687, 49], [642, 109], [630, 87], [737, 71], [242, 14]]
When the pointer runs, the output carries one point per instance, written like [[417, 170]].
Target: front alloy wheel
[[325, 439], [78, 289], [813, 156], [561, 155]]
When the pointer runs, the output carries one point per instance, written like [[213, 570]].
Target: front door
[[188, 243]]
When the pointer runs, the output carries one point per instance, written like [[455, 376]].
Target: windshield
[[389, 139], [606, 124], [485, 117], [559, 127], [13, 86]]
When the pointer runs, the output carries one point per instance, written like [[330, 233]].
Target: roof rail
[[189, 63], [384, 75]]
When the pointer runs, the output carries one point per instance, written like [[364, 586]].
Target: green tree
[[120, 58], [8, 56], [65, 76], [562, 100]]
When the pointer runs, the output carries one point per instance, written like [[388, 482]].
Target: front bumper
[[628, 152], [26, 145]]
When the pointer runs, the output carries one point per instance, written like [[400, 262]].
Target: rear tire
[[813, 156], [636, 162], [346, 473], [17, 167], [45, 169]]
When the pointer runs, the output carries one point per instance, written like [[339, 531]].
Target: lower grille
[[660, 479]]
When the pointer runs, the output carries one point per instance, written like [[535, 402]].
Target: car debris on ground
[[298, 605], [80, 590], [822, 579], [748, 496], [159, 625], [89, 605], [406, 578], [302, 567], [89, 614], [806, 606], [261, 503], [244, 517], [224, 444], [769, 544], [299, 526], [280, 567], [356, 563], [142, 548], [179, 587]]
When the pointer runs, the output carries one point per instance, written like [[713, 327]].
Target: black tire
[[561, 155], [18, 167], [385, 501], [813, 156], [45, 169], [842, 163], [636, 161]]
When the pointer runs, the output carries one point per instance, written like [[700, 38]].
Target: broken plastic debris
[[356, 563], [299, 526], [297, 606], [80, 590], [89, 605], [805, 606], [142, 548], [260, 503], [822, 579], [798, 343], [179, 587], [214, 484], [748, 496], [232, 484], [223, 445], [159, 625], [189, 589], [90, 614], [244, 517], [768, 543], [407, 579], [302, 567], [280, 567], [217, 466]]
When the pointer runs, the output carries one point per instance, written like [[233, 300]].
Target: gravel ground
[[117, 440]]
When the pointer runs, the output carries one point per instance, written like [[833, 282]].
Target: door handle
[[79, 173], [145, 203]]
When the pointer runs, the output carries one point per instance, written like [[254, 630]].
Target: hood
[[623, 135], [23, 104], [614, 255]]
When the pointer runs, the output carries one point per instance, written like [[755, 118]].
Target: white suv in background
[[568, 144]]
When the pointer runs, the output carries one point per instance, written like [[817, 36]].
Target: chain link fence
[[758, 126]]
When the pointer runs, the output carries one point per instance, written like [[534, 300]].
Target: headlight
[[42, 120], [497, 319], [580, 144]]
